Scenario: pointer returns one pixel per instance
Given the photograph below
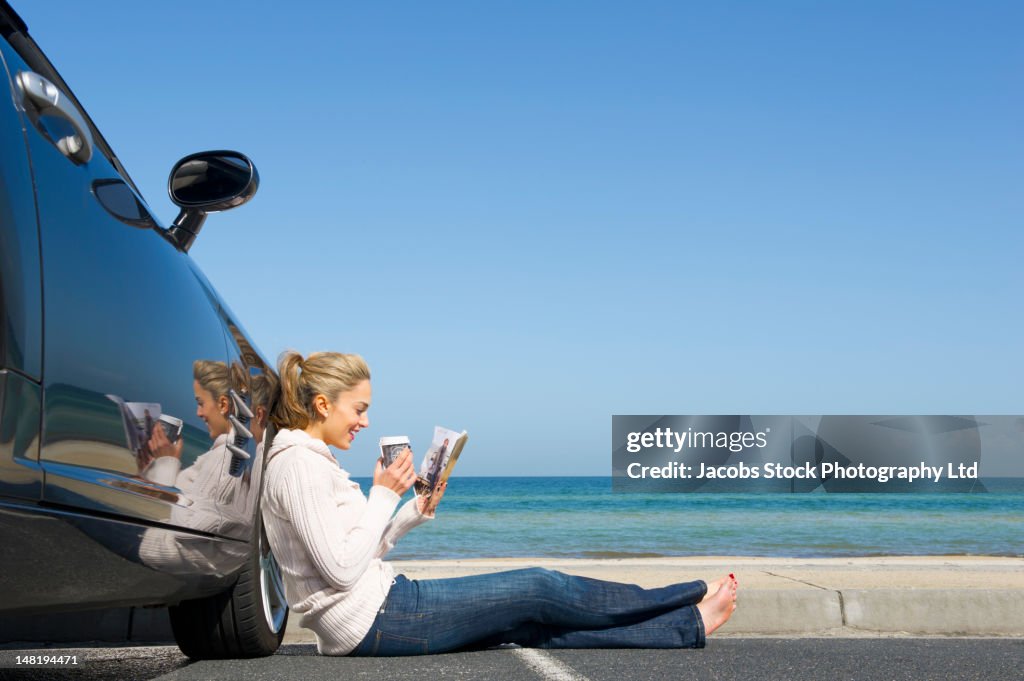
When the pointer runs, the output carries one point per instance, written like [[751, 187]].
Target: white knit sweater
[[329, 540]]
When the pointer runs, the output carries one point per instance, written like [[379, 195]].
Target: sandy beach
[[825, 597]]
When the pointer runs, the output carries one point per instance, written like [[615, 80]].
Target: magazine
[[139, 419], [437, 464]]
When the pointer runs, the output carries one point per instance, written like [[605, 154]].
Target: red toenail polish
[[732, 576]]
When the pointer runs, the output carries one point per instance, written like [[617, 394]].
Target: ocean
[[567, 517]]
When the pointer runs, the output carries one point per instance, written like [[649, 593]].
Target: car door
[[21, 325], [125, 324]]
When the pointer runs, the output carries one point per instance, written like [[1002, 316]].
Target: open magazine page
[[139, 420], [438, 464], [437, 456]]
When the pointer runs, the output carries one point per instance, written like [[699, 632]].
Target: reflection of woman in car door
[[206, 488], [210, 385]]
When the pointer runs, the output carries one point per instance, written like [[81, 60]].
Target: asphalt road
[[890, 659]]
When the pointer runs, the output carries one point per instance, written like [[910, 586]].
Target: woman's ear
[[224, 405], [321, 406]]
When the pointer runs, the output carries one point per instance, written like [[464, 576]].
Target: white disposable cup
[[391, 446]]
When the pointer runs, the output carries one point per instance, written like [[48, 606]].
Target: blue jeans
[[535, 608]]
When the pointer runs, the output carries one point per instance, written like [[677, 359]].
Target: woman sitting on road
[[329, 541]]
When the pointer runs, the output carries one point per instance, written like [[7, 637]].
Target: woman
[[329, 541], [213, 493]]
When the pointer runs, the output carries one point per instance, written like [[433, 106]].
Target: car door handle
[[240, 430], [245, 414], [47, 100]]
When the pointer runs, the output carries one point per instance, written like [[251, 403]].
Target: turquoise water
[[583, 518]]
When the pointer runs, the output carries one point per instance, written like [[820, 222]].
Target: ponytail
[[322, 373]]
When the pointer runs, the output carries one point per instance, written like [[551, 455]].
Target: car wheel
[[247, 620]]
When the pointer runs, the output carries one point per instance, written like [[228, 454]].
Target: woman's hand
[[159, 445], [422, 502], [399, 476]]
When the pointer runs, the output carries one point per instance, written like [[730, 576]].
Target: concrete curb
[[977, 612], [791, 611], [880, 612]]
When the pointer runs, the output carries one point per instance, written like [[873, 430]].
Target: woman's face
[[347, 416], [211, 411]]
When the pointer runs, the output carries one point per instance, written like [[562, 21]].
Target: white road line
[[548, 667]]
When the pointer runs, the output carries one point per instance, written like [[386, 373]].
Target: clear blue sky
[[529, 216]]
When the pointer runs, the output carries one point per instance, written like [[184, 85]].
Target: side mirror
[[208, 182]]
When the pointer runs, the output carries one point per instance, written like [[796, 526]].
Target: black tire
[[247, 620]]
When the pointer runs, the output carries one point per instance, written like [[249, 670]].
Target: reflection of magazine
[[139, 419], [438, 464]]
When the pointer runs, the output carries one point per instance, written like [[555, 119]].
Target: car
[[133, 405]]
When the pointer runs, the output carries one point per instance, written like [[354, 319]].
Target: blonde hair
[[322, 373], [264, 389], [213, 377]]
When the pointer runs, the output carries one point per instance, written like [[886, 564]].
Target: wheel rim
[[275, 607]]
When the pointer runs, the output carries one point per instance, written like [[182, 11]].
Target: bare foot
[[713, 588], [716, 610]]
